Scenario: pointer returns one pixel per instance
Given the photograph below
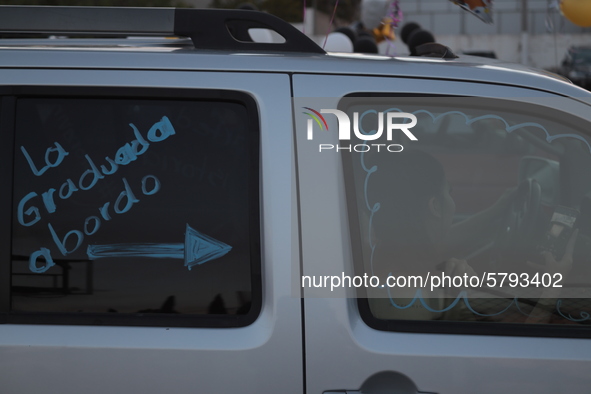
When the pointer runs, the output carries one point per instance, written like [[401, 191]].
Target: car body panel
[[94, 359], [320, 344], [438, 363], [466, 68]]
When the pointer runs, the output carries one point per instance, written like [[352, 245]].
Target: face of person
[[440, 217]]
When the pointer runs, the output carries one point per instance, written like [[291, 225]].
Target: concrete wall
[[442, 17], [549, 34], [544, 50]]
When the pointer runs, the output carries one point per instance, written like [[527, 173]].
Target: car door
[[407, 343], [136, 263]]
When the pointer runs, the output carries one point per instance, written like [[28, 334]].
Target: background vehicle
[[576, 66], [174, 188]]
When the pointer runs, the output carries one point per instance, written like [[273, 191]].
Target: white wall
[[544, 50], [549, 33]]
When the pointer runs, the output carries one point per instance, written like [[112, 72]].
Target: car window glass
[[134, 207], [583, 56], [486, 217]]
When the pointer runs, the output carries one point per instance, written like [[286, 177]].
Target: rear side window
[[135, 210], [480, 225]]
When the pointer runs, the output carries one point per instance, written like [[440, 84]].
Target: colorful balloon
[[384, 31], [381, 17], [577, 11], [481, 8]]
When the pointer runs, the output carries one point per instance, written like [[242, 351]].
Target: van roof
[[178, 54], [220, 41]]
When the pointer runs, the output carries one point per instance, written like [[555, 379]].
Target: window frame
[[9, 96]]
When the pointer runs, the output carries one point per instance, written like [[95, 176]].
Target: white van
[[215, 215]]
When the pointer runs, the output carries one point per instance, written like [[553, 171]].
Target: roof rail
[[207, 28]]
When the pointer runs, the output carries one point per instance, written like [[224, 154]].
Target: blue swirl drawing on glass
[[584, 315], [197, 249], [463, 296], [373, 209]]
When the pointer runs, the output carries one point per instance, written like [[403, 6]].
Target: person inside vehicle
[[414, 234]]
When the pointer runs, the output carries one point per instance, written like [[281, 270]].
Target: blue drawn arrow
[[197, 249]]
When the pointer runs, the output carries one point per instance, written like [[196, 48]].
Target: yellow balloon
[[577, 11], [384, 31]]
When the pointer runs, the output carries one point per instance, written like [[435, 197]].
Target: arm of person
[[545, 307], [546, 304]]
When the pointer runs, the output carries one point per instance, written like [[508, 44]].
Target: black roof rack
[[434, 49], [207, 28]]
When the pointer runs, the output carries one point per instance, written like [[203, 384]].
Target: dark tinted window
[[491, 193], [135, 207]]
